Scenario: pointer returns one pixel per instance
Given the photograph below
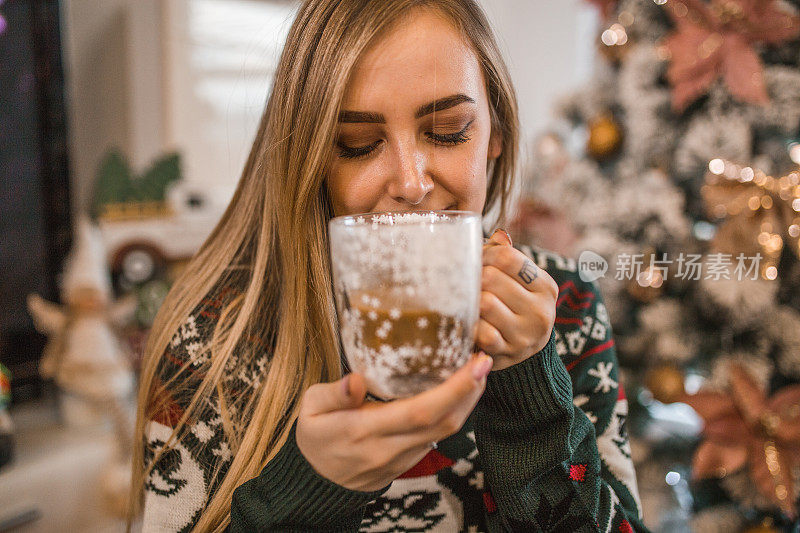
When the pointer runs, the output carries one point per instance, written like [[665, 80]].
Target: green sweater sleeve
[[289, 495], [539, 454]]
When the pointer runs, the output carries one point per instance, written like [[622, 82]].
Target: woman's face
[[414, 131]]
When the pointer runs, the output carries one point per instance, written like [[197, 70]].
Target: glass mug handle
[[486, 242]]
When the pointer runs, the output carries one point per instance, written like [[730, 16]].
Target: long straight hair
[[272, 240]]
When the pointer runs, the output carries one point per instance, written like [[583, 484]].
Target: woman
[[388, 105]]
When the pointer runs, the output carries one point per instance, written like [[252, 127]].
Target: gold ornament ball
[[605, 137], [761, 528], [666, 383]]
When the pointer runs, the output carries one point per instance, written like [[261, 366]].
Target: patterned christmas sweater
[[545, 449]]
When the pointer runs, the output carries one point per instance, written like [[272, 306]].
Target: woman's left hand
[[518, 303]]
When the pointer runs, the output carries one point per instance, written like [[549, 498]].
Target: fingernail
[[482, 367], [507, 236], [346, 385]]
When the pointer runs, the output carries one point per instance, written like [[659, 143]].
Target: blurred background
[[661, 144]]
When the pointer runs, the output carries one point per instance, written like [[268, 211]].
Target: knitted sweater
[[545, 449]]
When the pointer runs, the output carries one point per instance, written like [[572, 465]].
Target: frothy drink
[[402, 348]]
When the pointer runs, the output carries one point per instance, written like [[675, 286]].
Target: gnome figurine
[[84, 355]]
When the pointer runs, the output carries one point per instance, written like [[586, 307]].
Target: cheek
[[351, 190], [463, 173]]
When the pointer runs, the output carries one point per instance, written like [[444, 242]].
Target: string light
[[650, 278], [672, 478], [615, 35], [626, 18], [775, 198], [794, 152], [716, 166]]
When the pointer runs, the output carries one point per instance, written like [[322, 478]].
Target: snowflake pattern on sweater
[[447, 490]]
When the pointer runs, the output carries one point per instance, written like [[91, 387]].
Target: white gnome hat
[[86, 265]]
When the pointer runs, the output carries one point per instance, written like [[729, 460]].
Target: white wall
[[112, 68], [97, 100], [549, 47], [115, 84]]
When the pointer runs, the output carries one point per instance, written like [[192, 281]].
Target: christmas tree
[[678, 166]]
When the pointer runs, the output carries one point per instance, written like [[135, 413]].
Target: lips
[[450, 207]]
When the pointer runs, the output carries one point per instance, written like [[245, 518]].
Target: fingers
[[356, 387], [516, 297], [363, 447], [503, 331], [495, 310], [519, 267], [347, 393], [505, 303], [490, 339], [500, 236], [441, 411]]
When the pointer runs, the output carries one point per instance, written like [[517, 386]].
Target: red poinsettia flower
[[747, 428], [716, 38]]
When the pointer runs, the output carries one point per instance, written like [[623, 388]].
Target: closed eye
[[355, 152], [443, 139], [450, 139]]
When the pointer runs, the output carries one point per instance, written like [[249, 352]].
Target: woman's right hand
[[364, 446]]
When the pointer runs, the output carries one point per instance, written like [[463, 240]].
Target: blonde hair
[[272, 240]]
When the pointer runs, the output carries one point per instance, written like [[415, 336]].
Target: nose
[[410, 183]]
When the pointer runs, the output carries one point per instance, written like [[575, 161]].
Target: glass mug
[[407, 290]]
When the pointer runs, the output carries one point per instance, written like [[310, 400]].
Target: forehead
[[420, 58]]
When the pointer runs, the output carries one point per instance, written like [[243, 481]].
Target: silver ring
[[434, 445]]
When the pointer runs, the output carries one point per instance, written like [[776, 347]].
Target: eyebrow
[[377, 118]]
